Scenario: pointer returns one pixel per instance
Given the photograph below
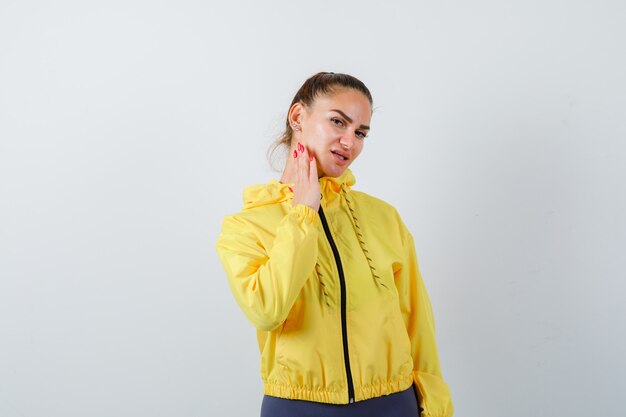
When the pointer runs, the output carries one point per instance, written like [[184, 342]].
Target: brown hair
[[320, 84]]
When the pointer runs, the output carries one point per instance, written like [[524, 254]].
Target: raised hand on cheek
[[307, 187]]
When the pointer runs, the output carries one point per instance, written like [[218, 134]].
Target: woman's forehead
[[351, 102]]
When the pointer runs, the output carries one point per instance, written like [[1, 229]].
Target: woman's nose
[[347, 140]]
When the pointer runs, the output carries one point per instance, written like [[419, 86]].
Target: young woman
[[329, 277]]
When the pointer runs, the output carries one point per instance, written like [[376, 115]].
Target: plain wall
[[128, 129]]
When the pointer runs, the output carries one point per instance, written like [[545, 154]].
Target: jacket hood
[[275, 192]]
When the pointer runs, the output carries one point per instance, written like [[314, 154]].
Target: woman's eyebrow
[[349, 119]]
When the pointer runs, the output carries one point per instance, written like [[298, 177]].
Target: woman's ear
[[295, 115]]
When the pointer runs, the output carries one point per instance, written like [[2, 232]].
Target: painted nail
[[310, 157], [291, 189], [300, 147], [295, 154]]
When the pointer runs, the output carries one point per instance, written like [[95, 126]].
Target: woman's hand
[[307, 187]]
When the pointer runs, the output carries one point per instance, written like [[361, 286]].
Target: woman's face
[[334, 129]]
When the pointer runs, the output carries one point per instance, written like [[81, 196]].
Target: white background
[[129, 128]]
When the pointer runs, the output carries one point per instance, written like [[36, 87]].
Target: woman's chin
[[334, 171]]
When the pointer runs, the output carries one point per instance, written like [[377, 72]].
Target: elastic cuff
[[306, 213]]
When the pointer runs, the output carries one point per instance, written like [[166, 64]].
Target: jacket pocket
[[405, 342], [290, 326]]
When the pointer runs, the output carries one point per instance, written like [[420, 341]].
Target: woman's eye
[[336, 121]]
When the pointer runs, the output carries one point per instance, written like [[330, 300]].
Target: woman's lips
[[340, 159]]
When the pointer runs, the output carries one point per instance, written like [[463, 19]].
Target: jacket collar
[[330, 185], [275, 192]]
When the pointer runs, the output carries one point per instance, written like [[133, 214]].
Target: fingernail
[[300, 147], [291, 189], [310, 157], [295, 154]]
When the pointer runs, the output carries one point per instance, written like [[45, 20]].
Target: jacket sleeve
[[435, 399], [266, 283]]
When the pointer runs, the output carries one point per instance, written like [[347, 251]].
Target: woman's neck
[[289, 173]]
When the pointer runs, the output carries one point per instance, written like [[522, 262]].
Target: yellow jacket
[[340, 308]]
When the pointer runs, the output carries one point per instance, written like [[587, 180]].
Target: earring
[[295, 126]]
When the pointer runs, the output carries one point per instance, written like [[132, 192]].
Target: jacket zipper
[[342, 281]]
